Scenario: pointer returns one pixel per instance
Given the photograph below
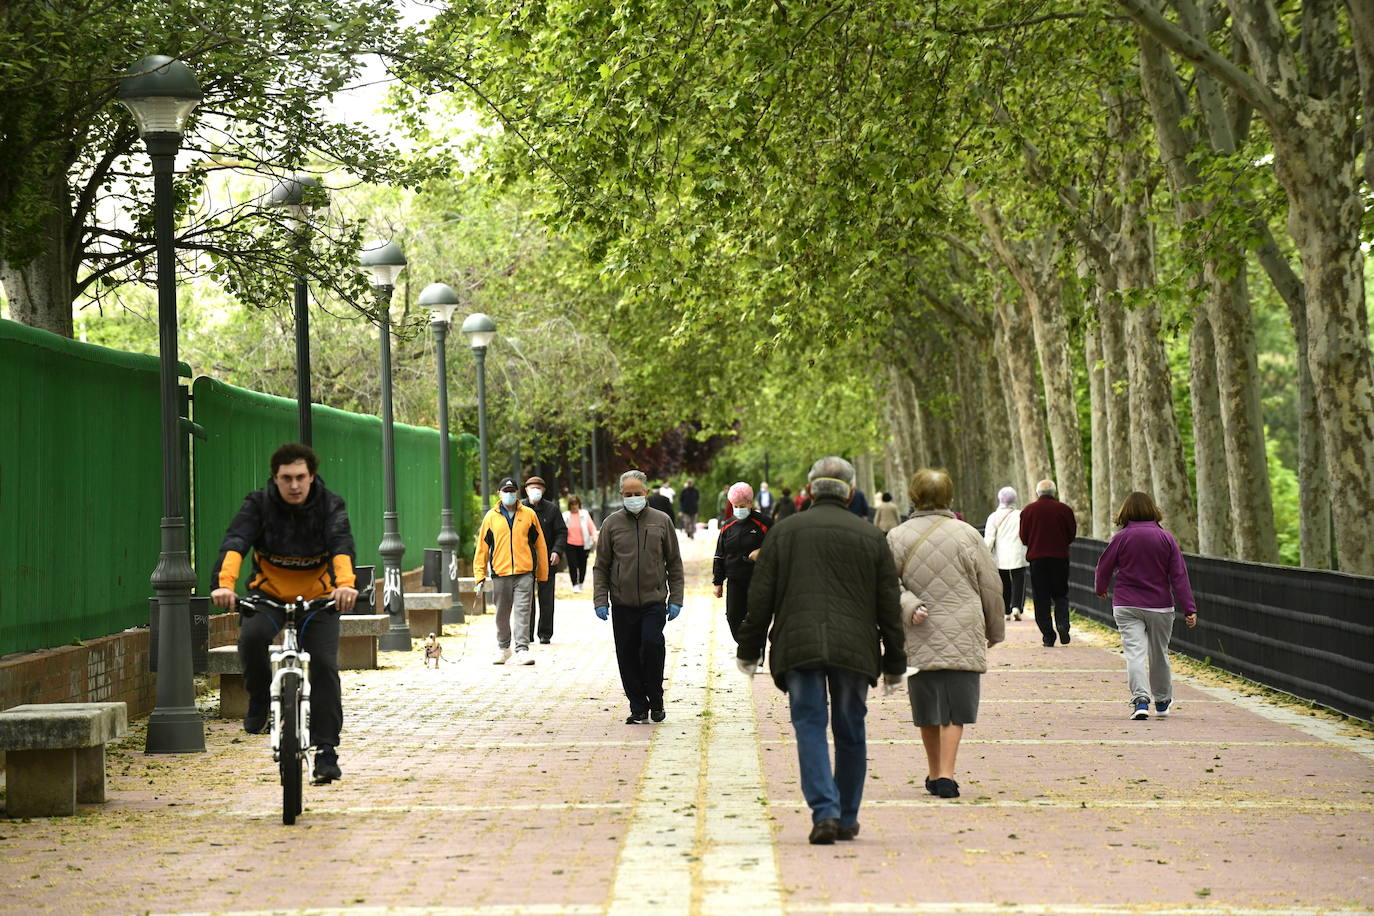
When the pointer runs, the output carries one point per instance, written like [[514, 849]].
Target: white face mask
[[635, 504], [509, 499], [535, 493], [741, 512]]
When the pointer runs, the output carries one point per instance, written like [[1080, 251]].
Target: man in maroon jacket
[[1047, 529]]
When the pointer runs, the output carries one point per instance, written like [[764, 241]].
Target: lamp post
[[161, 93], [385, 261], [480, 330], [441, 300], [292, 196]]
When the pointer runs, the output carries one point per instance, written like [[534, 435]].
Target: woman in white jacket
[[1002, 534]]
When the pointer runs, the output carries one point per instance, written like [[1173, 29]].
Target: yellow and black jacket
[[511, 546], [304, 550]]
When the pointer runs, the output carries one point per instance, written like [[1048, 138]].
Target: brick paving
[[482, 790]]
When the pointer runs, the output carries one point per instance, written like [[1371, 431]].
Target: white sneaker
[[522, 657], [502, 656], [577, 589]]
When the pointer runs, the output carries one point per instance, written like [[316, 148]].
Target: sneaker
[[326, 766], [255, 720], [1009, 617], [946, 788], [522, 657], [1064, 637], [847, 833], [544, 641], [1140, 710], [637, 718], [502, 656], [659, 714], [1016, 613], [1162, 709], [825, 832], [1049, 642]]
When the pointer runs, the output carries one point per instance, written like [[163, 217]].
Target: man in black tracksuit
[[736, 548], [556, 542], [302, 546]]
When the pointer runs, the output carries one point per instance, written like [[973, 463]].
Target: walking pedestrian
[[1151, 583], [637, 583], [664, 504], [858, 504], [689, 504], [765, 500], [581, 540], [1002, 534], [511, 554], [556, 539], [786, 506], [1047, 529], [722, 506], [885, 514], [946, 569], [825, 594], [737, 548]]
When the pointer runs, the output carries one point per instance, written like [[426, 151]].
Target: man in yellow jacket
[[511, 549]]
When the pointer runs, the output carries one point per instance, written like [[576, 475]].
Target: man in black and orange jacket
[[299, 534], [511, 550]]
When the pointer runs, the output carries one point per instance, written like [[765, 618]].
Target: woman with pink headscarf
[[736, 549]]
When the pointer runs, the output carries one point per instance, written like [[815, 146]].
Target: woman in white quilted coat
[[952, 613], [1002, 534]]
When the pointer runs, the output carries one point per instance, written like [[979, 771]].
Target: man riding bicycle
[[302, 546]]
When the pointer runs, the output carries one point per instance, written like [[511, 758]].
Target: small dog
[[433, 650]]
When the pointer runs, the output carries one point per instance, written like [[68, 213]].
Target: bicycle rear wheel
[[289, 756]]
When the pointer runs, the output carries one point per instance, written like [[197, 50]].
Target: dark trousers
[[577, 564], [318, 635], [736, 603], [640, 650], [543, 597], [1013, 588], [1050, 586]]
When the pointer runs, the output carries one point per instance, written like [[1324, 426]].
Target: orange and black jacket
[[304, 550], [511, 546]]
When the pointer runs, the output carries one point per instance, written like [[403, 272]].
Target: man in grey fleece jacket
[[637, 582]]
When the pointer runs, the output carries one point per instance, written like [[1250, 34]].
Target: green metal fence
[[80, 488], [244, 427]]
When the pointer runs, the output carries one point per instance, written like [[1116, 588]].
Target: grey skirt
[[944, 697]]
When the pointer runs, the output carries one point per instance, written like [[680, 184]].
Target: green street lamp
[[480, 331], [161, 93], [441, 300], [296, 196], [385, 261]]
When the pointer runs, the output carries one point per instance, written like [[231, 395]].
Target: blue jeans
[[830, 794]]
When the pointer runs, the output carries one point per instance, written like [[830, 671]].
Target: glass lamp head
[[384, 260], [441, 301], [480, 330], [160, 92]]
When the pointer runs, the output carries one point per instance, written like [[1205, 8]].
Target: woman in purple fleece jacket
[[1151, 582]]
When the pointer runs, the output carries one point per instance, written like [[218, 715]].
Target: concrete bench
[[470, 597], [55, 755], [425, 612]]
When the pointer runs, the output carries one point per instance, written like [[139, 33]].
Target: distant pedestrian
[[581, 540], [786, 505], [737, 548], [1151, 582], [666, 490], [556, 540], [723, 505], [825, 595], [945, 567], [664, 504], [858, 504], [511, 553], [885, 514], [637, 583], [1047, 529], [765, 501], [1002, 534], [689, 504]]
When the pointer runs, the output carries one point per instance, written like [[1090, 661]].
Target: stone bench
[[358, 634], [55, 755], [469, 596], [425, 612]]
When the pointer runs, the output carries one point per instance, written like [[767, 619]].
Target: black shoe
[[825, 832], [930, 786], [658, 715], [1064, 637], [637, 718], [326, 766], [847, 833], [543, 641], [946, 788], [1048, 641], [255, 720]]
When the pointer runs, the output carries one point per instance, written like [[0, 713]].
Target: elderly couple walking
[[845, 606]]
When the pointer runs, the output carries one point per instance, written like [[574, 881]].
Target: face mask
[[535, 493], [741, 513], [635, 504], [509, 499]]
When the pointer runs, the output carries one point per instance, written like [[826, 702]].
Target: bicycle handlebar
[[316, 604]]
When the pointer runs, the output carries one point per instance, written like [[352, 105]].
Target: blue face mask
[[509, 499], [635, 504], [741, 513]]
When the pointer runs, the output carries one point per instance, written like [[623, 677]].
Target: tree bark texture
[[1111, 319], [1209, 446], [40, 291], [1022, 388], [1004, 439], [1097, 393]]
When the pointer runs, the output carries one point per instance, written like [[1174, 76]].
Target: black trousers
[[1013, 588], [319, 635], [1050, 586], [577, 563], [542, 597], [736, 602], [640, 651]]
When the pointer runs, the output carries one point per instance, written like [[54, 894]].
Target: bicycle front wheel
[[289, 756]]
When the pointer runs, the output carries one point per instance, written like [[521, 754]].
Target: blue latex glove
[[603, 612], [673, 611]]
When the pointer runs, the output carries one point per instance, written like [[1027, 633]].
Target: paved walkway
[[480, 790]]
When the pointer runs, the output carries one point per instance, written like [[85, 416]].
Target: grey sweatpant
[[513, 595], [1145, 642]]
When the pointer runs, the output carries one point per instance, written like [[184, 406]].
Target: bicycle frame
[[290, 656]]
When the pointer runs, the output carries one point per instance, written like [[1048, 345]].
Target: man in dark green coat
[[826, 584]]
